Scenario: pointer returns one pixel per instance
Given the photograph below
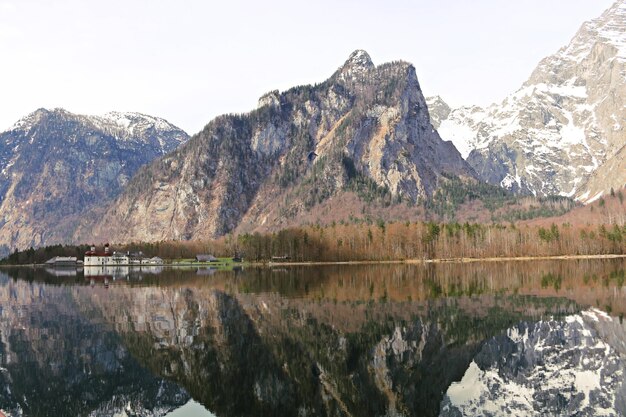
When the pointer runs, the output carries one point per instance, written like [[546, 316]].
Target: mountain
[[55, 166], [555, 134], [365, 130], [438, 110], [609, 175]]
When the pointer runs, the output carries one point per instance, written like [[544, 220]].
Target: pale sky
[[191, 60]]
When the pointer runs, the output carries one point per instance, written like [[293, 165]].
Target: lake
[[516, 338]]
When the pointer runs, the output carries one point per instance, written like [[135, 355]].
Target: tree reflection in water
[[336, 340]]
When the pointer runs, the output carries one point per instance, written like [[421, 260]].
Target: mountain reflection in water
[[332, 340]]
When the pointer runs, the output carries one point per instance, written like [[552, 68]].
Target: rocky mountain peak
[[357, 65], [133, 126], [359, 58], [365, 128], [271, 98], [611, 27], [562, 125], [28, 121], [438, 109], [437, 100], [131, 119], [602, 38], [123, 125]]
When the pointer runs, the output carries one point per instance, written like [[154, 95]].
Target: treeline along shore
[[375, 241]]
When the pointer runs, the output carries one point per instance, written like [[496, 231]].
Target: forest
[[375, 241], [596, 229]]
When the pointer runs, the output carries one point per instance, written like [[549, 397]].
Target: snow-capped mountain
[[569, 367], [123, 126], [137, 127], [562, 125], [56, 165]]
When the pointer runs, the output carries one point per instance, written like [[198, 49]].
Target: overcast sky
[[189, 61]]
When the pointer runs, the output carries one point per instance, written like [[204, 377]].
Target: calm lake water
[[367, 340]]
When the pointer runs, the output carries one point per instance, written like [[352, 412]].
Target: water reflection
[[336, 340]]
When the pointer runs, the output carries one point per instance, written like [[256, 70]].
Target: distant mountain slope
[[438, 110], [366, 128], [55, 166], [610, 175], [562, 125], [606, 210]]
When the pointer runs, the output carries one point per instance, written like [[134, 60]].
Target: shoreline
[[451, 260], [364, 262]]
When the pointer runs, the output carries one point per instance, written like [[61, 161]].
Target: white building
[[106, 258], [62, 261]]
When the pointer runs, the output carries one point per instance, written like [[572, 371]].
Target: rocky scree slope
[[563, 131], [366, 128], [55, 166]]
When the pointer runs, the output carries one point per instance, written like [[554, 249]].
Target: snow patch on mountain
[[462, 127], [131, 120], [132, 125]]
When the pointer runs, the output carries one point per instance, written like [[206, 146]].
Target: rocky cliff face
[[610, 175], [55, 166], [562, 125], [367, 127], [569, 367]]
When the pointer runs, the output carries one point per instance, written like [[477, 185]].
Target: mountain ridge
[[366, 132], [365, 126], [56, 165], [566, 121]]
